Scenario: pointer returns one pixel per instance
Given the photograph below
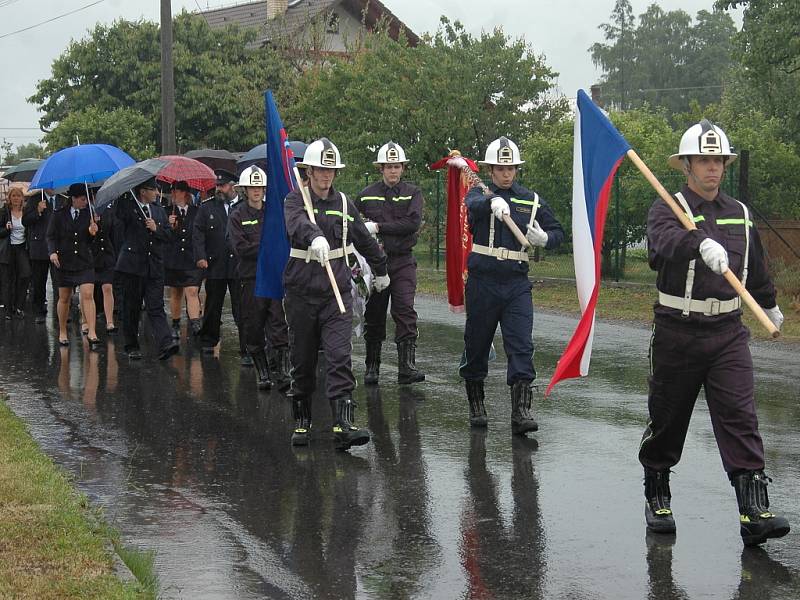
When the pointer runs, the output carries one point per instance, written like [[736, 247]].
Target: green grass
[[52, 543]]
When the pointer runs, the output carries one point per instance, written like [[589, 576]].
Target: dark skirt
[[104, 276], [73, 279], [176, 278]]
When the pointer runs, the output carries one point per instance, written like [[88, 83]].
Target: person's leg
[[108, 304], [132, 292], [62, 309], [88, 308], [215, 298], [192, 296], [175, 302]]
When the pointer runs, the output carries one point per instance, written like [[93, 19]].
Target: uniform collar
[[330, 198], [695, 200], [514, 189]]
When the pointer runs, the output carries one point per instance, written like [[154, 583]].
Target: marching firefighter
[[392, 210], [698, 337], [258, 314], [498, 290], [311, 309]]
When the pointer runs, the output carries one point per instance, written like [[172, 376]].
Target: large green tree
[[219, 80], [665, 59]]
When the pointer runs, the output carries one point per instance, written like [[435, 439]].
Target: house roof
[[299, 13]]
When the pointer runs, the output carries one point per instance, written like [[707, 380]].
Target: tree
[[14, 157], [219, 80], [121, 127]]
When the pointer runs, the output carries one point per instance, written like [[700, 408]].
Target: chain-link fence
[[624, 249]]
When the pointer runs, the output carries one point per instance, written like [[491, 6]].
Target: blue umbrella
[[88, 163]]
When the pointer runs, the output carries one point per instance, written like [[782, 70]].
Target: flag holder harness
[[709, 306], [501, 253], [333, 254]]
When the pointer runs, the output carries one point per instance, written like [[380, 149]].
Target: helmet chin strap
[[687, 170]]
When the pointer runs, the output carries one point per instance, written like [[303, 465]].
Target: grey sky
[[561, 30]]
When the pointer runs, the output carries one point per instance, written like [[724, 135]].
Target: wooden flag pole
[[688, 224], [310, 210]]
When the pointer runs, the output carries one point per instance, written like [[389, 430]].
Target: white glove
[[381, 283], [319, 249], [372, 227], [536, 235], [775, 315], [500, 208], [714, 255]]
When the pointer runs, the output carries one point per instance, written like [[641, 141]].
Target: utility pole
[[167, 81]]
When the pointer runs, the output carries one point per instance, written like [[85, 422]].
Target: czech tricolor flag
[[599, 150]]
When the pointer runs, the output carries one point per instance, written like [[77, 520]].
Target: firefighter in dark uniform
[[182, 275], [259, 315], [70, 235], [140, 267], [213, 254], [498, 290], [698, 337], [311, 309], [38, 211], [392, 211]]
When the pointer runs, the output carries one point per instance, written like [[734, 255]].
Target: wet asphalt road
[[189, 460]]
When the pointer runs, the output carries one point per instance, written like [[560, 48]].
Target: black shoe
[[94, 344], [173, 348], [112, 330], [301, 409], [475, 397], [407, 371], [657, 510], [373, 363], [245, 360], [135, 354], [176, 329], [522, 420], [259, 361], [19, 314], [757, 523], [345, 433]]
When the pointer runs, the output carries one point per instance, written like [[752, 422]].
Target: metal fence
[[624, 260]]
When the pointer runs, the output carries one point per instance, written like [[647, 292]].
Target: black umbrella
[[126, 179], [258, 155], [24, 171], [216, 159]]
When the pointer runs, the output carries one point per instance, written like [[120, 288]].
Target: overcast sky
[[561, 30]]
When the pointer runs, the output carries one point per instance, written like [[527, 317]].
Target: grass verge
[[633, 303], [53, 544]]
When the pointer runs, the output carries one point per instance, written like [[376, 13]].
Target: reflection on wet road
[[189, 460]]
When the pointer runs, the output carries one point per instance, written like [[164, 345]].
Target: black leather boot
[[195, 325], [373, 363], [756, 521], [657, 511], [407, 371], [475, 396], [522, 420], [262, 370], [301, 408], [345, 433], [283, 368]]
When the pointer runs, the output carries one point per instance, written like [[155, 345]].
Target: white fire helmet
[[322, 153], [253, 177], [391, 153], [703, 139], [502, 151]]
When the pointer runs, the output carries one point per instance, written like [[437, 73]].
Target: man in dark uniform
[[182, 275], [140, 264], [392, 211], [698, 337], [498, 290], [213, 254], [311, 308], [38, 211]]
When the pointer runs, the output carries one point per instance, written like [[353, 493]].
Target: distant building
[[325, 25]]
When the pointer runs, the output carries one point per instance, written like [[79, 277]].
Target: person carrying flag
[[392, 210], [498, 290], [699, 339], [258, 314], [311, 310]]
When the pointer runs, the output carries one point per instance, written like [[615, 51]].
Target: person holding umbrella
[[70, 235], [182, 275], [38, 211], [14, 264]]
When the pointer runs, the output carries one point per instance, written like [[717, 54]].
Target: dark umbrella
[[127, 179], [24, 171], [216, 159], [258, 155]]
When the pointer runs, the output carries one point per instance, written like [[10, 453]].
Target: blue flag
[[274, 251]]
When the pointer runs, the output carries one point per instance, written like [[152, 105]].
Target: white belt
[[709, 306], [500, 253], [306, 256]]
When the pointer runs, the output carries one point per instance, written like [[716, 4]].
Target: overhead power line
[[56, 18]]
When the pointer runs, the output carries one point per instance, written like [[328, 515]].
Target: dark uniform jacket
[[71, 240], [671, 247], [105, 243], [179, 253], [210, 240], [310, 279], [141, 251], [398, 212], [36, 225], [480, 213], [244, 232]]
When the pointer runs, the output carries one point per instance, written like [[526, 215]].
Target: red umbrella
[[193, 172]]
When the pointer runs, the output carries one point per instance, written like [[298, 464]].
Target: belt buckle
[[502, 253], [714, 308]]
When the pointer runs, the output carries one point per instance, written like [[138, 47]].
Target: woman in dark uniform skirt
[[104, 249], [70, 235], [181, 273]]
